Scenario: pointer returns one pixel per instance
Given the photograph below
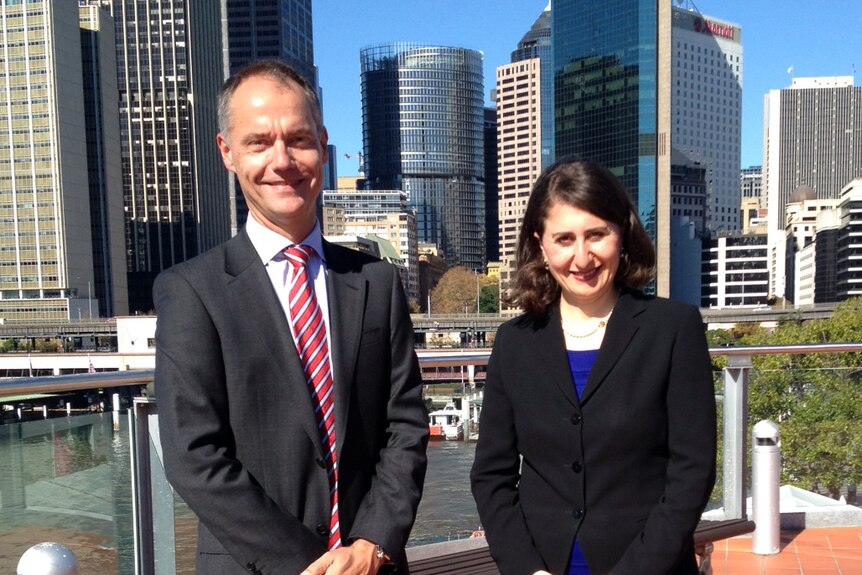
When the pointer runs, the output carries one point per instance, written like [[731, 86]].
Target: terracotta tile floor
[[815, 551]]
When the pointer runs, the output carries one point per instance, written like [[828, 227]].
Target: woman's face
[[583, 253]]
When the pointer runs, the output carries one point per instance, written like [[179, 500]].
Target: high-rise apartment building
[[422, 126], [169, 70], [525, 132], [612, 101], [812, 137], [57, 240], [278, 29], [706, 109]]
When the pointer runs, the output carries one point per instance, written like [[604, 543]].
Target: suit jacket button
[[578, 513], [320, 462], [577, 467], [322, 530], [576, 419]]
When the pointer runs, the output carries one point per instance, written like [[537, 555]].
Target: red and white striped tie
[[309, 333]]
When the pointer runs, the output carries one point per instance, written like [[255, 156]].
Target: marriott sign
[[714, 28]]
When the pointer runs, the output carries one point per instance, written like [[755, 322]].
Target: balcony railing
[[94, 481]]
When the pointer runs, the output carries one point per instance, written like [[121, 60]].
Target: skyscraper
[[525, 132], [169, 68], [56, 167], [812, 137], [706, 109], [612, 80], [422, 127], [279, 29]]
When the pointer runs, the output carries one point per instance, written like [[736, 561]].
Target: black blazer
[[627, 469], [240, 441]]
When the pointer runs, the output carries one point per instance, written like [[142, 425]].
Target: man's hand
[[358, 558]]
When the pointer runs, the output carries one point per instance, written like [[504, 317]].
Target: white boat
[[446, 423]]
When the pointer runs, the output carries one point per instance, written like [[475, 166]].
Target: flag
[[91, 368], [30, 361]]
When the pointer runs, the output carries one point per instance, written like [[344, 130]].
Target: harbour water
[[68, 480]]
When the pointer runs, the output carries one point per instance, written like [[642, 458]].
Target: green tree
[[815, 398], [489, 298]]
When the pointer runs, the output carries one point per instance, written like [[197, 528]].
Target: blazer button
[[578, 513], [576, 419], [322, 530], [320, 463], [577, 467]]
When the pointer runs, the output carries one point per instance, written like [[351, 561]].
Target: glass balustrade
[[95, 483]]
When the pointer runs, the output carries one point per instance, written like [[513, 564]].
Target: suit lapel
[[257, 305], [346, 308], [622, 327], [551, 354]]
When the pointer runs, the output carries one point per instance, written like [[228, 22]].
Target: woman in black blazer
[[597, 444]]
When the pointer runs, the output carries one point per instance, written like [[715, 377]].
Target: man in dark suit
[[282, 481]]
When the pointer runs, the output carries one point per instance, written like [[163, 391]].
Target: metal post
[[735, 425], [765, 493], [142, 507]]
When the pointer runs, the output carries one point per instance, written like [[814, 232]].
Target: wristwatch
[[380, 554]]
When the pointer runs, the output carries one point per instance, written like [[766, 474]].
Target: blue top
[[580, 362]]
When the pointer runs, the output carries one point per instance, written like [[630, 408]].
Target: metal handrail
[[427, 358], [74, 382]]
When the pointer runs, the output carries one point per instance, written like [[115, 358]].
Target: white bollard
[[765, 477], [48, 559]]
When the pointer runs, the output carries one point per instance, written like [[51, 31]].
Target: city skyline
[[777, 37]]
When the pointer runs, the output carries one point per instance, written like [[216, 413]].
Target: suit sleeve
[[691, 443], [388, 510], [496, 473], [198, 444]]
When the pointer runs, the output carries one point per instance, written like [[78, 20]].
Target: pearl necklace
[[602, 323]]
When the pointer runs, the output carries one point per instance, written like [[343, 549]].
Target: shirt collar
[[269, 244]]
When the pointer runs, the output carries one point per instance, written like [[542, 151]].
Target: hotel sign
[[709, 27]]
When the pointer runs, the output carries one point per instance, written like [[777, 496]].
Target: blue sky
[[815, 37]]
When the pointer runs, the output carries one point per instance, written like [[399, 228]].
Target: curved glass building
[[422, 125]]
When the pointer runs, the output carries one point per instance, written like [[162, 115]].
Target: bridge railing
[[87, 474]]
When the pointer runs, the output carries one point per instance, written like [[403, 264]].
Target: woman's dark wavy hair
[[587, 186]]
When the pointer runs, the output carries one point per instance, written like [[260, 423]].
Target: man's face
[[277, 152]]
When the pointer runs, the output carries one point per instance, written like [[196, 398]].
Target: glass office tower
[[258, 29], [612, 100], [422, 126]]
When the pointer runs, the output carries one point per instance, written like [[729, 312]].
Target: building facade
[[734, 271], [170, 67], [812, 137], [381, 213], [525, 133], [422, 128], [277, 29], [848, 251], [56, 172], [612, 101], [707, 109], [751, 182]]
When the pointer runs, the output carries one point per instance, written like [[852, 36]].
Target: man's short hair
[[275, 70]]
